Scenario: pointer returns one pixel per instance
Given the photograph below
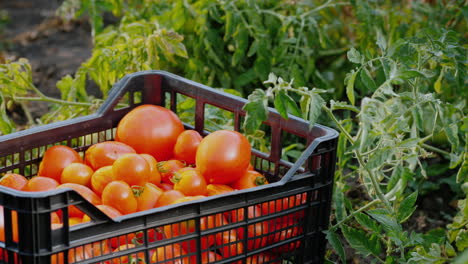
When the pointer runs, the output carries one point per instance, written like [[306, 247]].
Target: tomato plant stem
[[347, 218], [438, 150]]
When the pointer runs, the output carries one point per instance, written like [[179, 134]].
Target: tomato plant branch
[[432, 148], [347, 218]]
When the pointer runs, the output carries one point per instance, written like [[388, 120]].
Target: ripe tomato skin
[[231, 246], [215, 189], [155, 176], [190, 183], [106, 153], [166, 186], [186, 146], [150, 129], [168, 168], [172, 251], [40, 184], [74, 255], [108, 210], [223, 156], [119, 195], [55, 159], [14, 181], [168, 197], [261, 258], [100, 178], [282, 235], [132, 169], [84, 191], [249, 179], [78, 173], [147, 196]]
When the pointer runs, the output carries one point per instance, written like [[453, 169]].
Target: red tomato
[[168, 168], [14, 181], [223, 156], [119, 195], [74, 255], [55, 218], [190, 183], [100, 178], [78, 173], [55, 159], [215, 189], [155, 176], [147, 196], [40, 184], [258, 230], [108, 210], [186, 146], [105, 153], [168, 197], [84, 191], [249, 179], [262, 258], [137, 258], [175, 252], [283, 203], [166, 186], [150, 129]]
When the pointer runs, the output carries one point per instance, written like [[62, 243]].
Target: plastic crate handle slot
[[306, 154]]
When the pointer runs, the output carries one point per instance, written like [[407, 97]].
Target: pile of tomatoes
[[155, 162]]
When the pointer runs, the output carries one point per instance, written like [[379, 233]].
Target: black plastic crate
[[296, 204]]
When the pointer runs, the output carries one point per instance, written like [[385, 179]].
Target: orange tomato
[[249, 179], [119, 195], [155, 176], [190, 183], [40, 184], [168, 197], [78, 173], [55, 159], [223, 156], [173, 251], [215, 189], [14, 181], [100, 178], [106, 153], [150, 129], [14, 225], [132, 169], [168, 168], [147, 196], [138, 258], [186, 146]]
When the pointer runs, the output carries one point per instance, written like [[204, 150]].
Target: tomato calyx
[[176, 178], [260, 180], [137, 190], [160, 166]]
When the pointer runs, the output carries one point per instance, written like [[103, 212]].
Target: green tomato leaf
[[335, 242], [462, 175], [351, 78], [367, 222], [354, 56], [256, 110], [364, 244], [367, 80], [316, 103], [407, 207], [280, 103], [379, 157], [462, 240]]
